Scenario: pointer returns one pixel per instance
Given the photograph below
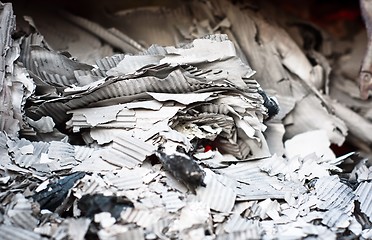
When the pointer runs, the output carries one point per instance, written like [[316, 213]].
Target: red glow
[[344, 14], [207, 148]]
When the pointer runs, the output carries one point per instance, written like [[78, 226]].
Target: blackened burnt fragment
[[55, 193], [270, 103], [183, 167], [90, 205]]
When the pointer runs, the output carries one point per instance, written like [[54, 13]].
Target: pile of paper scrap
[[225, 135]]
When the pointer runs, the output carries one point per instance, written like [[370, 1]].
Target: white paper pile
[[80, 139]]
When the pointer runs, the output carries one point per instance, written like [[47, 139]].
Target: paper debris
[[166, 125], [216, 195], [316, 142], [364, 197]]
